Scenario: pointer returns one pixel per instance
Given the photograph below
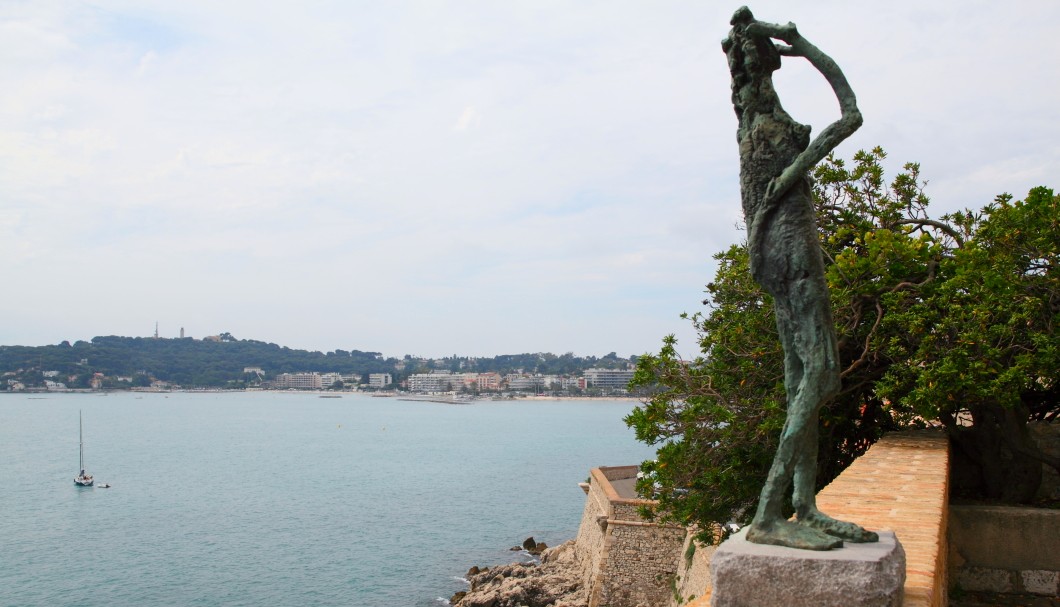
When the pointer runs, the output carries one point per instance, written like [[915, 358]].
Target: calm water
[[285, 499]]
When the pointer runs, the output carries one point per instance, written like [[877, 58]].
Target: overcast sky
[[460, 177]]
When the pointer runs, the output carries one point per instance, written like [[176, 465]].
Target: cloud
[[145, 63], [469, 118], [321, 177]]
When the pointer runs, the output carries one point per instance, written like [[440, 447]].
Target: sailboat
[[83, 479]]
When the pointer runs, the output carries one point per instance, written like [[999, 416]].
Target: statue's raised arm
[[834, 134], [776, 155]]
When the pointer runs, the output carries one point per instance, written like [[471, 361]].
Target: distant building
[[440, 381], [255, 370], [488, 381], [309, 381], [435, 381], [379, 380], [527, 382], [608, 379], [569, 383], [328, 379]]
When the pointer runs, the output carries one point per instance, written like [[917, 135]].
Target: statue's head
[[749, 54], [742, 16]]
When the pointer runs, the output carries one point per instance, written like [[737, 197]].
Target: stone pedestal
[[744, 574]]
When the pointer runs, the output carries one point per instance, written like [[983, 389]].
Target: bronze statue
[[776, 155]]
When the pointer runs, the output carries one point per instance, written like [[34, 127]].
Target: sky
[[462, 177]]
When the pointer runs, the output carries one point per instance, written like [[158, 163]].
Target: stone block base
[[745, 574]]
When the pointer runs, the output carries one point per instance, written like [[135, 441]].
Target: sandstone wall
[[641, 564], [630, 562], [693, 571], [589, 545]]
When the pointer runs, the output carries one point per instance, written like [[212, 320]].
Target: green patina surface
[[776, 155]]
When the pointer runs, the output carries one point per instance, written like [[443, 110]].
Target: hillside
[[221, 362]]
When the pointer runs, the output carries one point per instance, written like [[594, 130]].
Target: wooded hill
[[191, 362]]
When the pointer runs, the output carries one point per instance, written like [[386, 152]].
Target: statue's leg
[[820, 384], [805, 502], [769, 525]]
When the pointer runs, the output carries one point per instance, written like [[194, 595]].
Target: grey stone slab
[[626, 488], [1046, 583], [745, 574], [985, 579]]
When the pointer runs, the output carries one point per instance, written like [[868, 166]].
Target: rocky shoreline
[[555, 582]]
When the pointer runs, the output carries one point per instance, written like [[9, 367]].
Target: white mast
[[81, 439]]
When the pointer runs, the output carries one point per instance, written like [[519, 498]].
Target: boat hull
[[83, 482]]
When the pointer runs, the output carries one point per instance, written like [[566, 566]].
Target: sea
[[270, 498]]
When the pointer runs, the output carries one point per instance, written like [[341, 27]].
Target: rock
[[473, 571], [533, 547], [456, 598], [515, 548], [748, 575], [556, 582]]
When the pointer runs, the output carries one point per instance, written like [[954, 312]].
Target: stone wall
[[693, 570], [1005, 549], [589, 545], [1047, 437], [641, 565], [902, 484], [631, 562]]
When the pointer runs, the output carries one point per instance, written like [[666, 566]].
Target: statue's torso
[[782, 237]]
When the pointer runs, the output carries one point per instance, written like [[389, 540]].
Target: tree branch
[[934, 224]]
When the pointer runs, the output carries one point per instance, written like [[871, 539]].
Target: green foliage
[[934, 318], [992, 337], [982, 346], [185, 362]]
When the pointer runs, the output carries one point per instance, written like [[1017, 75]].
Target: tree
[[983, 347], [910, 295]]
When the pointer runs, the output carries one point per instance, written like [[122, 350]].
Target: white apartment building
[[529, 382], [569, 383], [440, 381], [379, 380], [328, 379], [608, 379], [310, 381], [435, 381]]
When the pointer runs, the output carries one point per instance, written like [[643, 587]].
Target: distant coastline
[[403, 396], [226, 363]]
